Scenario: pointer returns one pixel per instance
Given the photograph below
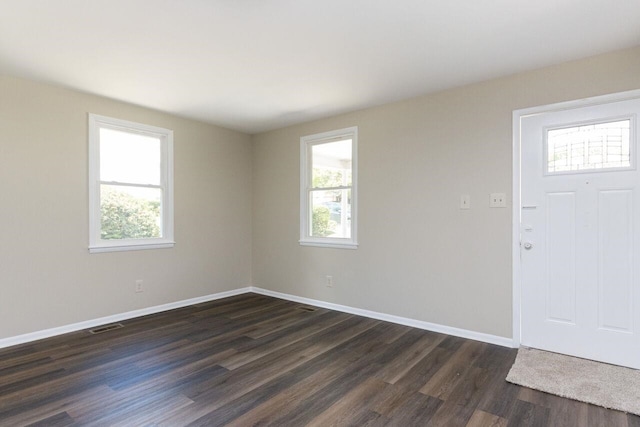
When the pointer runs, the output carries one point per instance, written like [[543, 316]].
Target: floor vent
[[307, 308], [106, 328]]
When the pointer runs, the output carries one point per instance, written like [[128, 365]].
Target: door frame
[[518, 115]]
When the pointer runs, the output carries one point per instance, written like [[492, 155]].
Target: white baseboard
[[47, 333], [463, 333]]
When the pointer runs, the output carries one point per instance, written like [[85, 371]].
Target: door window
[[589, 147]]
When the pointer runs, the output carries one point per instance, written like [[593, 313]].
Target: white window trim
[[305, 185], [96, 244]]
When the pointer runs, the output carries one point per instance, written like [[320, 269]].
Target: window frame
[[306, 169], [96, 244]]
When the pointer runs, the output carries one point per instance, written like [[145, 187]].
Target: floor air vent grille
[[106, 328]]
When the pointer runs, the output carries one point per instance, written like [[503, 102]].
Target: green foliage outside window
[[328, 177], [321, 225], [124, 216]]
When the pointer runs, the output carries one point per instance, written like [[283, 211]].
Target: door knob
[[527, 245]]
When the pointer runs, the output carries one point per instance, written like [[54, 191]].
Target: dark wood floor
[[254, 360]]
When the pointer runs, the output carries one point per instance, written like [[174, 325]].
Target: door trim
[[518, 115]]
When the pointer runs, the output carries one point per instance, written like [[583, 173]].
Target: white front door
[[580, 232]]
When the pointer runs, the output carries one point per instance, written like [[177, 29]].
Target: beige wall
[[420, 256], [47, 276]]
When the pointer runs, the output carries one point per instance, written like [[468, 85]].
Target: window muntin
[[130, 187], [589, 147], [328, 163]]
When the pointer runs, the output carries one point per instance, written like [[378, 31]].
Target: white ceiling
[[255, 65]]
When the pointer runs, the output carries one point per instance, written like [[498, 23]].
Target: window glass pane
[[331, 164], [330, 213], [587, 147], [129, 157], [130, 212]]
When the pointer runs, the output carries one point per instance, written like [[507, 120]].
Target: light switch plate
[[465, 201], [498, 200]]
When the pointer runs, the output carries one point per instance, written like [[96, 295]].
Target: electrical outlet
[[498, 200], [138, 286], [329, 281]]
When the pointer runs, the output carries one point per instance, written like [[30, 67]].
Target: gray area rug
[[613, 387]]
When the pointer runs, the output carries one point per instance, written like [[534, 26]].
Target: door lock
[[527, 245]]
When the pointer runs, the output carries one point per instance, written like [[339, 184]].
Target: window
[[328, 189], [130, 185], [589, 147]]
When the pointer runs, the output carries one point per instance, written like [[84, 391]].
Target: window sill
[[329, 244], [130, 247]]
